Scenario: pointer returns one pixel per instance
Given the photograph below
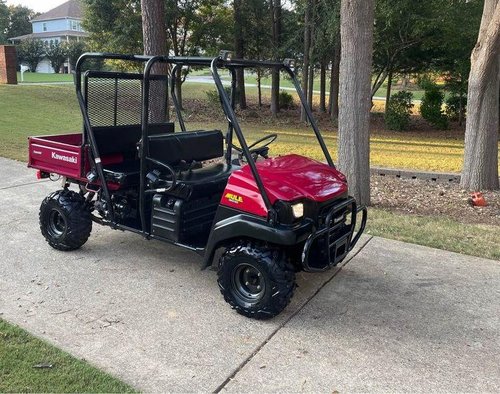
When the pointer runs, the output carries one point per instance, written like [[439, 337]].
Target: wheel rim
[[57, 224], [248, 283]]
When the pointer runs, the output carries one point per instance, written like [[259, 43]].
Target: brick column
[[8, 64]]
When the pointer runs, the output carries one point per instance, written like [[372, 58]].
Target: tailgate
[[58, 154]]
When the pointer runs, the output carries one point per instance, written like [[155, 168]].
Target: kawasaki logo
[[68, 159]]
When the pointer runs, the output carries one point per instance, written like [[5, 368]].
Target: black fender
[[245, 226]]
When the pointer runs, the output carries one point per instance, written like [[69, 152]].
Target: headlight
[[298, 210], [289, 213]]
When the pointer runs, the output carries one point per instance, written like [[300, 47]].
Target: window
[[74, 25], [44, 26]]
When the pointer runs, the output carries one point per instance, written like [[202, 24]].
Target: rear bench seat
[[118, 150]]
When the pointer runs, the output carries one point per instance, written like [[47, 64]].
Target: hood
[[294, 177]]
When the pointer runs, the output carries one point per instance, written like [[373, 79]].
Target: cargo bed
[[60, 154]]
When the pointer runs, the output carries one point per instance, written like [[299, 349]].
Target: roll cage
[[146, 78]]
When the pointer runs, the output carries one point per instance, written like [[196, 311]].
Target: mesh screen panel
[[115, 99]]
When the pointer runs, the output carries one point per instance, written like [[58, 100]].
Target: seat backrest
[[123, 139], [188, 146]]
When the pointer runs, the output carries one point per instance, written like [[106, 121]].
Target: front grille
[[329, 245]]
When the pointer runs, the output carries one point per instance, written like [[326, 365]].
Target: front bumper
[[329, 245]]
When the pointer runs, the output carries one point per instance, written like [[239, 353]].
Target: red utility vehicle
[[196, 189]]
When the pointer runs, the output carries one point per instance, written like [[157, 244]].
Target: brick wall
[[8, 63]]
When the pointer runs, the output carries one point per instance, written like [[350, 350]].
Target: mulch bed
[[425, 197]]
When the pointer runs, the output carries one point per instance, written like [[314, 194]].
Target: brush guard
[[331, 243]]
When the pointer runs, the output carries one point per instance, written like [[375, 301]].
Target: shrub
[[213, 96], [456, 106], [285, 100], [431, 107], [397, 116]]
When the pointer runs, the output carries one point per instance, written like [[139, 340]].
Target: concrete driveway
[[396, 317]]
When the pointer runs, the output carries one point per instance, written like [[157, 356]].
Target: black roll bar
[[88, 132], [177, 69], [236, 127]]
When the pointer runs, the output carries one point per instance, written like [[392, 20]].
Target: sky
[[37, 5]]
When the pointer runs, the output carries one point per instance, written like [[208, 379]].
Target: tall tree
[[275, 7], [481, 134], [19, 21], [239, 51], [335, 80], [155, 44], [31, 51], [74, 49], [307, 52], [114, 26], [4, 21], [57, 54], [356, 25], [405, 37]]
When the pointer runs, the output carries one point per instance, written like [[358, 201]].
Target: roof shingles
[[70, 9]]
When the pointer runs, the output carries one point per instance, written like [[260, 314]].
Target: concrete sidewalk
[[397, 317]]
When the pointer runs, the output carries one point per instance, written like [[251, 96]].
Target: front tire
[[256, 280], [65, 220]]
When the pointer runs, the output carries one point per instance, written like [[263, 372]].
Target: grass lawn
[[436, 232], [36, 110], [43, 77], [20, 352]]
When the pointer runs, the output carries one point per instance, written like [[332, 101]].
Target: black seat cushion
[[172, 148], [124, 139], [205, 181]]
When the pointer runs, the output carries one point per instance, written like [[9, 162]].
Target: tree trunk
[[155, 43], [356, 24], [259, 87], [276, 37], [239, 49], [335, 82], [388, 93], [481, 132], [307, 45], [310, 94], [322, 88], [178, 89]]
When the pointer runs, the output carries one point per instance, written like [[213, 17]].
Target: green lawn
[[30, 77], [21, 352], [436, 232], [37, 110]]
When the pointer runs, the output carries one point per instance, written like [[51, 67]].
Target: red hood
[[294, 177]]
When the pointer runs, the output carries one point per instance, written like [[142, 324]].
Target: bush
[[456, 106], [285, 100], [397, 116], [213, 96], [432, 106]]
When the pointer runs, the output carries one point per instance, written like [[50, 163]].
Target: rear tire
[[256, 280], [65, 220]]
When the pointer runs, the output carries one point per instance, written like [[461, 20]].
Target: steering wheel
[[259, 147]]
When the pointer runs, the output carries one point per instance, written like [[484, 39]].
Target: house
[[63, 23]]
